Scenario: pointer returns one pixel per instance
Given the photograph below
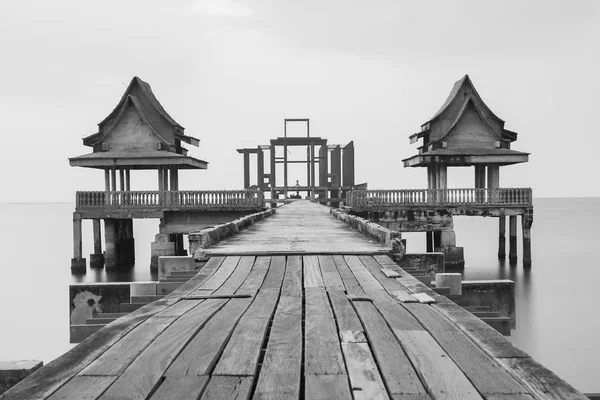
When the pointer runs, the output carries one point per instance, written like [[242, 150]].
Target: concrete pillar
[[161, 246], [480, 176], [161, 182], [166, 179], [336, 173], [429, 239], [323, 168], [97, 258], [437, 240], [452, 281], [309, 161], [273, 180], [285, 171], [447, 239], [119, 243], [502, 237], [77, 262], [512, 244], [110, 243], [526, 222], [442, 176], [107, 180], [246, 169], [260, 168]]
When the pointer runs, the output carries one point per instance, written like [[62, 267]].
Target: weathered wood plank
[[275, 275], [486, 375], [83, 388], [385, 261], [349, 326], [395, 315], [49, 378], [118, 357], [543, 383], [331, 276], [200, 355], [139, 379], [242, 352], [322, 352], [219, 277], [391, 285], [327, 387], [441, 376], [364, 376], [237, 277], [180, 388], [292, 281], [312, 272], [350, 282], [256, 277], [485, 336], [423, 298], [228, 388], [366, 280], [394, 365], [280, 374], [202, 276], [390, 273]]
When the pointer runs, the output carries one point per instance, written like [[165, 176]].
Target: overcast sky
[[230, 71]]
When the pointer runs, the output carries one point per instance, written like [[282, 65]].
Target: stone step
[[146, 299], [477, 308], [486, 314], [501, 324], [99, 321], [444, 291], [129, 307], [111, 315]]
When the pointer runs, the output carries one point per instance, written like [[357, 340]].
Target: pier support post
[[512, 244], [162, 246], [502, 237], [97, 258], [437, 240], [77, 262], [526, 222], [119, 243], [429, 238]]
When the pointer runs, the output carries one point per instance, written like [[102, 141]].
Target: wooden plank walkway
[[296, 327], [300, 227]]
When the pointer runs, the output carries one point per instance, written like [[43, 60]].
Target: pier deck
[[300, 227], [297, 326]]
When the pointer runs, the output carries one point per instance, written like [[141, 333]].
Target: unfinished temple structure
[[140, 135], [463, 133], [331, 163]]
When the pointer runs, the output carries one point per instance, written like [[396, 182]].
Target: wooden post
[[512, 244], [526, 222], [246, 169], [502, 237]]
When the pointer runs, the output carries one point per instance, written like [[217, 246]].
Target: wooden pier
[[280, 322]]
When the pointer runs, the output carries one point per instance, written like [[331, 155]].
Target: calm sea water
[[558, 300]]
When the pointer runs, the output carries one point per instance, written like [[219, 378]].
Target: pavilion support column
[[97, 258], [122, 179], [77, 262], [526, 222], [113, 178], [429, 239], [246, 169], [107, 180], [161, 182], [479, 182], [502, 237], [512, 244], [128, 179], [336, 173]]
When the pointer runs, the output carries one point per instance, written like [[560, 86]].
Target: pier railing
[[181, 199], [520, 197]]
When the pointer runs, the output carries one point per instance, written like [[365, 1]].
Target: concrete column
[[480, 176], [97, 258], [442, 176], [309, 161], [312, 169], [77, 262], [273, 181], [166, 179], [161, 182], [502, 237], [512, 244], [110, 243], [119, 243], [161, 246], [336, 173], [285, 171], [107, 180], [175, 179], [246, 169], [260, 168], [323, 164], [437, 240], [126, 244], [429, 239], [526, 222]]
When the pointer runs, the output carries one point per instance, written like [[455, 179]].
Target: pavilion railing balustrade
[[193, 199], [443, 197]]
